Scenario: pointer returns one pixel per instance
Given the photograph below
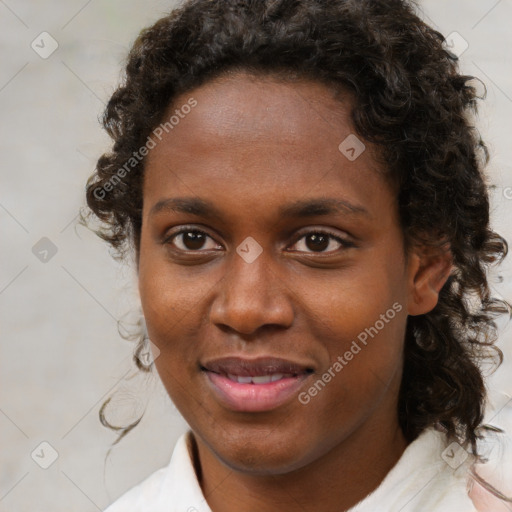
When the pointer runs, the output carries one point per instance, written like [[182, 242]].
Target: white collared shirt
[[430, 476]]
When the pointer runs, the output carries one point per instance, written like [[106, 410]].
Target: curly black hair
[[409, 100]]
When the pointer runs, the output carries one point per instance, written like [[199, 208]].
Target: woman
[[303, 189]]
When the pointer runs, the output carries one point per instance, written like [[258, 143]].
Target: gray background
[[61, 351]]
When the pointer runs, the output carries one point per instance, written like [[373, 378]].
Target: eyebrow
[[192, 205], [321, 206], [302, 208]]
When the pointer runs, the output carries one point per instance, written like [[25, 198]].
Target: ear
[[428, 271]]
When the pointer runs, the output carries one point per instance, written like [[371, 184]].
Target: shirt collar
[[180, 490], [424, 478]]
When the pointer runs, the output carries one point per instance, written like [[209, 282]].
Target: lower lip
[[254, 397]]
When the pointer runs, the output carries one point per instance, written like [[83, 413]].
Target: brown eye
[[320, 241], [191, 240], [317, 242]]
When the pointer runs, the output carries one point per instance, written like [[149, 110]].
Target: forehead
[[263, 138], [242, 105], [258, 99]]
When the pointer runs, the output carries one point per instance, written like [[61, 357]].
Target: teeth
[[263, 379], [239, 379], [258, 379]]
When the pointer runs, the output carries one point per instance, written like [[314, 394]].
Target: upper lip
[[244, 367]]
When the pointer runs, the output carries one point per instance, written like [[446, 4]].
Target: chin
[[264, 452], [260, 461]]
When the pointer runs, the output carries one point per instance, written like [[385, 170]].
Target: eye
[[195, 240], [321, 241], [190, 239]]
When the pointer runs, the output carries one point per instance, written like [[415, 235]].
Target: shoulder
[[432, 474], [168, 488], [491, 485], [140, 497]]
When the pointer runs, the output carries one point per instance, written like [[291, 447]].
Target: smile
[[259, 379], [258, 385]]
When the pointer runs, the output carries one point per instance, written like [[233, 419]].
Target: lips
[[261, 367], [255, 385]]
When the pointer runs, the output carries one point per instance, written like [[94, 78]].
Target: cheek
[[171, 317], [168, 309], [171, 303], [363, 337], [352, 300], [360, 318], [168, 292]]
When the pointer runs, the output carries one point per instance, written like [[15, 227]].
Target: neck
[[335, 482]]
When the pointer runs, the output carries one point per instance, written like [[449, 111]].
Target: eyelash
[[189, 229]]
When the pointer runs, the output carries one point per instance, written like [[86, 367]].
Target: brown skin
[[250, 146]]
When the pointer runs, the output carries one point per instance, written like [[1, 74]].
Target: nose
[[250, 296]]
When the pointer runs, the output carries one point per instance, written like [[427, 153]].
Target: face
[[272, 273]]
